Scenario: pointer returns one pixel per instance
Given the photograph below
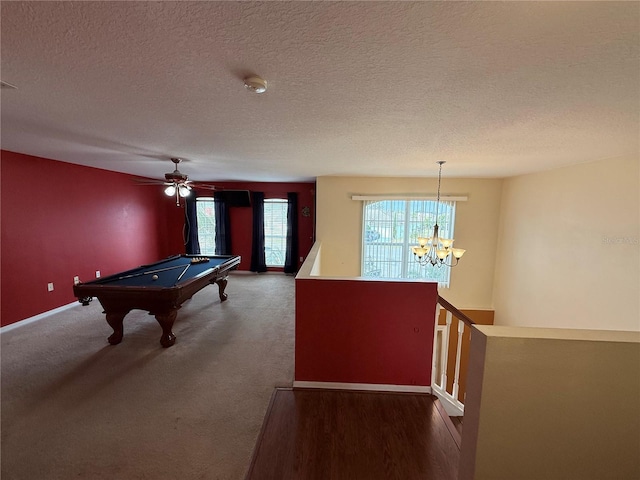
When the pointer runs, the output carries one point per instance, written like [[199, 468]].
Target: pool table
[[159, 288]]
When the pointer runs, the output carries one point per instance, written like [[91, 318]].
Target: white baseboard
[[370, 387], [453, 407], [40, 316]]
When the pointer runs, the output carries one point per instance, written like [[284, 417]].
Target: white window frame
[[207, 237], [280, 240], [409, 268]]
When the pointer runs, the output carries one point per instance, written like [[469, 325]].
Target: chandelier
[[434, 250]]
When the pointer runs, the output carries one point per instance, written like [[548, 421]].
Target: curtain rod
[[405, 196]]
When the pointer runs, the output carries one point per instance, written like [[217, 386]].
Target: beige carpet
[[74, 407]]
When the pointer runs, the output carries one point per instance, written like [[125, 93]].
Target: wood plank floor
[[458, 422], [336, 435]]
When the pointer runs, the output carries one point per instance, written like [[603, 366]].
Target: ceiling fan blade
[[206, 186], [148, 181]]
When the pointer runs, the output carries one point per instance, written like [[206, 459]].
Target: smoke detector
[[256, 84]]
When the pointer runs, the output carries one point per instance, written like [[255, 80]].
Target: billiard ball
[[155, 277]]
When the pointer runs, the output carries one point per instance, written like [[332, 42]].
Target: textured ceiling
[[355, 88]]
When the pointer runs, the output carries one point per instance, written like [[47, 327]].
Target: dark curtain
[[258, 262], [291, 259], [223, 226], [190, 233]]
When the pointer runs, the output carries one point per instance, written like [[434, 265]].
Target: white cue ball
[[155, 277]]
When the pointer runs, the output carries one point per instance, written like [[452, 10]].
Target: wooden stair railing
[[441, 345], [455, 312]]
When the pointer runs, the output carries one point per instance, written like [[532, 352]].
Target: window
[[205, 212], [391, 227], [275, 232]]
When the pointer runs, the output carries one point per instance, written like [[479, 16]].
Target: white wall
[[569, 243], [339, 228]]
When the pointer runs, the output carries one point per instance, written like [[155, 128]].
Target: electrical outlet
[[49, 287], [301, 259], [76, 280], [97, 273]]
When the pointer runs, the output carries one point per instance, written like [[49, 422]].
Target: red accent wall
[[358, 331], [61, 220], [242, 217]]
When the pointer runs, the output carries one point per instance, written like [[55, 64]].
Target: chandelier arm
[[450, 265], [427, 259]]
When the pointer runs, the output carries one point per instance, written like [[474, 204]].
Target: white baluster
[[434, 358], [445, 351], [458, 360]]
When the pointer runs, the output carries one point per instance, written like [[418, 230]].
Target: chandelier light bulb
[[170, 191], [446, 242], [442, 254], [184, 191], [419, 251]]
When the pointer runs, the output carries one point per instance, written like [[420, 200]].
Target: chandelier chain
[[438, 198]]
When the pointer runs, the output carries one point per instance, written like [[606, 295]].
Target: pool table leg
[[114, 319], [166, 322], [222, 284]]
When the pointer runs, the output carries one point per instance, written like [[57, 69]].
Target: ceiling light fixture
[[178, 183], [434, 250], [255, 84]]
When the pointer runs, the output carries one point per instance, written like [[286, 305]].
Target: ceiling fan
[[177, 183]]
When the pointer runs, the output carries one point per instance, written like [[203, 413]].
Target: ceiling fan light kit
[[255, 84], [178, 183]]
